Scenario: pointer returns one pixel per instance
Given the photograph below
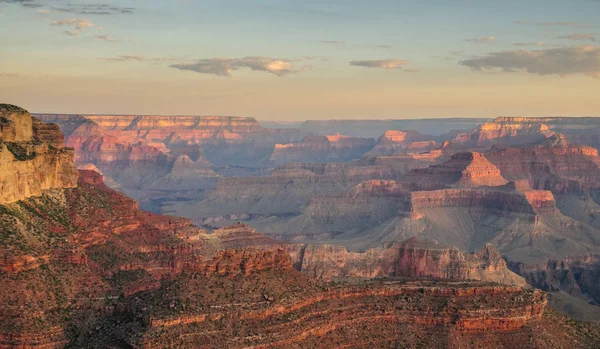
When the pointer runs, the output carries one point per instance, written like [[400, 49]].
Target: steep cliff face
[[505, 131], [392, 142], [322, 149], [223, 140], [468, 169], [578, 277], [32, 156], [410, 259], [529, 202], [554, 164]]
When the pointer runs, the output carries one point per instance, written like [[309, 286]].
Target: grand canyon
[[299, 174], [294, 237]]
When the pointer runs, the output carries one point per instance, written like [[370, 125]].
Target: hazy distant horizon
[[299, 121]]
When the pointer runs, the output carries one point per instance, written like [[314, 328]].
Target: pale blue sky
[[302, 60]]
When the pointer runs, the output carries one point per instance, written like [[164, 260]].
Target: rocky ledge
[[32, 156]]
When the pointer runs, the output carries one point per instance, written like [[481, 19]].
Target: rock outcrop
[[32, 156], [290, 311], [332, 148], [409, 259], [554, 164], [505, 131], [467, 170], [241, 236], [392, 142], [578, 277]]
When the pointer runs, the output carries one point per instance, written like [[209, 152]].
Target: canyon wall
[[333, 148], [466, 169], [299, 314], [554, 164], [32, 156], [392, 142], [409, 259]]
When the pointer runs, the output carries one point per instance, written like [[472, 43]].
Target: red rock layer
[[241, 236], [370, 312], [467, 169], [411, 259], [530, 202], [554, 164], [392, 142]]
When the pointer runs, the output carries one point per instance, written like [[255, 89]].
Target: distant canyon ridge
[[527, 186]]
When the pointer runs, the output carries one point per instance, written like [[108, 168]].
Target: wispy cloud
[[559, 61], [342, 42], [77, 23], [553, 23], [381, 63], [106, 38], [83, 9], [563, 24], [579, 37], [138, 58], [482, 40], [225, 66], [526, 44], [24, 3], [95, 9]]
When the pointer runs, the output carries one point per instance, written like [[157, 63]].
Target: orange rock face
[[392, 142], [32, 156], [467, 169], [508, 131]]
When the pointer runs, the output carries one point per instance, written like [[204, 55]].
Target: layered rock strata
[[32, 156], [468, 169], [322, 149], [409, 259]]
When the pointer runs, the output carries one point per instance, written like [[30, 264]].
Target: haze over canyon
[[299, 174]]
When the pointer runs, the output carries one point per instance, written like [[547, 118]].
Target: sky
[[296, 60]]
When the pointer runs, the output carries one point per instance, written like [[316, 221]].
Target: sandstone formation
[[241, 236], [291, 311], [392, 142], [505, 131], [523, 130], [82, 266], [468, 169], [375, 128], [32, 156], [578, 277], [336, 148], [554, 164], [409, 259], [288, 189]]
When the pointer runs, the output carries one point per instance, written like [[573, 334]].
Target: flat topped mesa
[[32, 156]]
